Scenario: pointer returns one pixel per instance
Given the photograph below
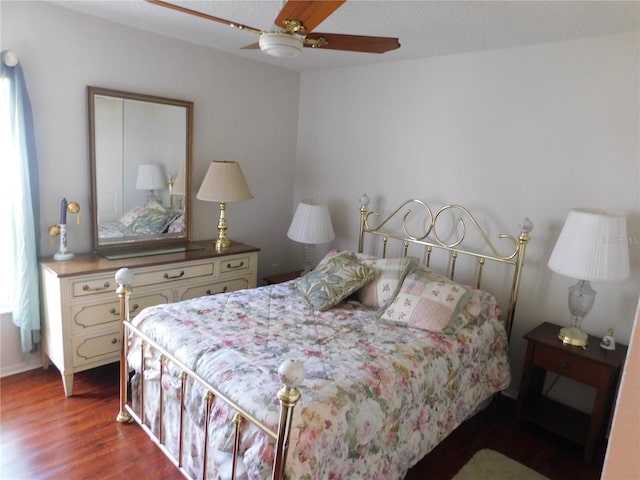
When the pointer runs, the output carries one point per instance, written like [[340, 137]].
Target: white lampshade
[[311, 224], [179, 183], [592, 246], [224, 182], [150, 177]]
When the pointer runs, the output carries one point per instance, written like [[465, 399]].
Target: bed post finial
[[364, 211], [124, 279], [291, 373]]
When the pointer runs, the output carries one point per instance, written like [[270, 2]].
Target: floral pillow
[[177, 224], [333, 280], [390, 272], [432, 302], [151, 219], [129, 217]]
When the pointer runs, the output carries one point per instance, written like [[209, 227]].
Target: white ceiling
[[425, 28]]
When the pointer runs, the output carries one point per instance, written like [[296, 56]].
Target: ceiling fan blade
[[206, 16], [351, 43], [310, 13]]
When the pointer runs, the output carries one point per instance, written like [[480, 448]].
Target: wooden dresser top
[[93, 263]]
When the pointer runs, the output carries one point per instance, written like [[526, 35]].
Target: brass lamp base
[[222, 244], [573, 336]]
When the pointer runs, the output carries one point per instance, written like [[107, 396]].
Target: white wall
[[243, 110], [509, 133], [11, 360]]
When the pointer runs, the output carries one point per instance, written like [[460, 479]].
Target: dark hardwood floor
[[44, 435]]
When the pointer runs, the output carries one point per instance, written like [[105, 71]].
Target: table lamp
[[224, 182], [592, 246], [311, 225]]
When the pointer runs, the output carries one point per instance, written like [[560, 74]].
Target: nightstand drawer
[[564, 362]]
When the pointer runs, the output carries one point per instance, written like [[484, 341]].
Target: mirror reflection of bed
[[141, 158]]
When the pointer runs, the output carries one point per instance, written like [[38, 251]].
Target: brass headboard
[[428, 238]]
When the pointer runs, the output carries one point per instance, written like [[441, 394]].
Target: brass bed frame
[[291, 373]]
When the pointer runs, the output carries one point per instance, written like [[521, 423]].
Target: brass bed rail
[[416, 211], [290, 372]]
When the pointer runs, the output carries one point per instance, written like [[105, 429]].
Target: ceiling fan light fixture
[[280, 44]]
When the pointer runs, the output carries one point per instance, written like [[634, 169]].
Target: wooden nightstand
[[282, 277], [592, 366]]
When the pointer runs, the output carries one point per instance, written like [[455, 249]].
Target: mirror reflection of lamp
[[224, 182], [150, 177], [177, 188]]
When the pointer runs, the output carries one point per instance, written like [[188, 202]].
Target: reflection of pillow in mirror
[[129, 217], [153, 219], [176, 225]]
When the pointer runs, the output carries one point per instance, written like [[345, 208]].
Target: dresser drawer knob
[[239, 265], [114, 341], [173, 277], [87, 288]]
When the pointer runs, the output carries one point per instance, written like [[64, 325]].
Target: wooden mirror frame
[[154, 243]]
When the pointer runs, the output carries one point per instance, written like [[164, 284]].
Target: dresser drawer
[[229, 266], [89, 349], [565, 363], [98, 284], [221, 287], [171, 274], [87, 317]]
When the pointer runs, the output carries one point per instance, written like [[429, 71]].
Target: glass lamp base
[[573, 336]]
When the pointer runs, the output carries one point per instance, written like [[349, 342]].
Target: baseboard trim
[[6, 371]]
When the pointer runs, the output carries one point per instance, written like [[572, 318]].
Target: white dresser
[[81, 327]]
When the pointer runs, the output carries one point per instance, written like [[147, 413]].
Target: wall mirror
[[140, 152]]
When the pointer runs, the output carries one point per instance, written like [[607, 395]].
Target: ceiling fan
[[295, 24]]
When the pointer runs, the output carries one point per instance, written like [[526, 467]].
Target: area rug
[[490, 465]]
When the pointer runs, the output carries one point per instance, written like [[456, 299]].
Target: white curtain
[[20, 174]]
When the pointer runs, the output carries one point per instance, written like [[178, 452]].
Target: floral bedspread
[[375, 400]]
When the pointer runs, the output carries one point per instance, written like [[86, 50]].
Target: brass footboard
[[291, 374]]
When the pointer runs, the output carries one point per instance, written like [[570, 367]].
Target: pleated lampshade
[[311, 224], [592, 245]]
